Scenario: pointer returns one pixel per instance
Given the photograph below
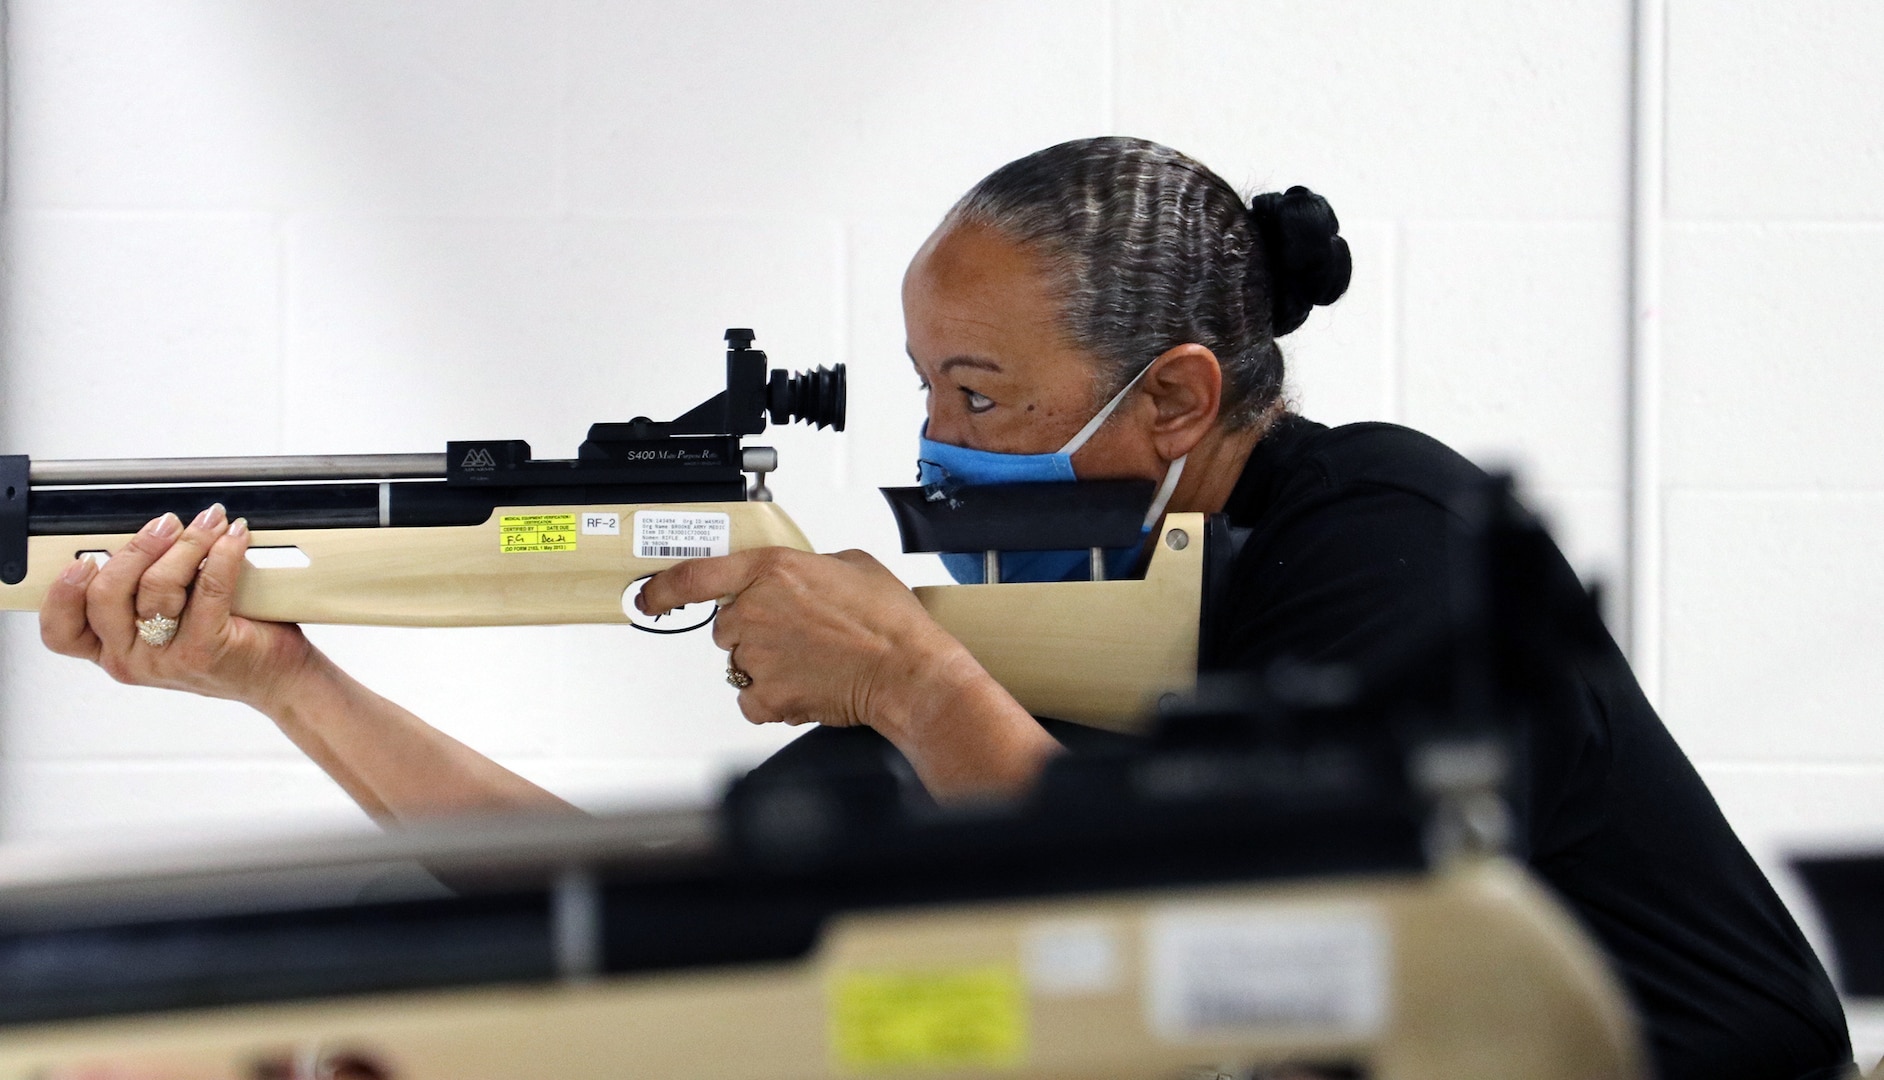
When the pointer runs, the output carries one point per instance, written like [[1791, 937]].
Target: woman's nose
[[942, 427]]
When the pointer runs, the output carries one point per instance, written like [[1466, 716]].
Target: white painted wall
[[239, 227]]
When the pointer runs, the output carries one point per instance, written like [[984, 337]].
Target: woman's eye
[[977, 403]]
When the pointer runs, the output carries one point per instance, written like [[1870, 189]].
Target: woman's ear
[[1185, 386]]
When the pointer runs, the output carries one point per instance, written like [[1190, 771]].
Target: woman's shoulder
[[1300, 460]]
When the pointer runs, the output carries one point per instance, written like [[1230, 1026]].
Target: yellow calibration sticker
[[536, 532], [954, 1017]]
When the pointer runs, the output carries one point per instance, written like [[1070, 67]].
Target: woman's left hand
[[827, 639], [838, 640]]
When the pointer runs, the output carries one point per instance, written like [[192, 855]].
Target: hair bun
[[1308, 260]]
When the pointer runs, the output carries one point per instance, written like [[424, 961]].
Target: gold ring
[[737, 678], [157, 631]]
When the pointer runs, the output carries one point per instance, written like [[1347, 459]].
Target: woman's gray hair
[[1150, 250]]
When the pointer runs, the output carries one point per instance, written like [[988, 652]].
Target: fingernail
[[240, 528], [641, 603], [210, 518], [168, 525], [78, 572]]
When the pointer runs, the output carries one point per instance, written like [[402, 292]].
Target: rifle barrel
[[196, 470]]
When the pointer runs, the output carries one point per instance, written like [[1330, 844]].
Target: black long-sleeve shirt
[[1347, 562], [1347, 556]]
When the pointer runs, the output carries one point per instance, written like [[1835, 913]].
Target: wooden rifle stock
[[1099, 653], [1095, 653], [1479, 975]]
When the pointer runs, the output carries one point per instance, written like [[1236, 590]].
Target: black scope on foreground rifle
[[1305, 868], [697, 457]]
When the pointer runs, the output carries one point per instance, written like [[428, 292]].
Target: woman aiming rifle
[[1102, 309]]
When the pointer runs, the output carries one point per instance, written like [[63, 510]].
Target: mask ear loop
[[1165, 491], [1162, 499], [1171, 474], [1099, 419]]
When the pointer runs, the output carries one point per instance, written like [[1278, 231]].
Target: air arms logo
[[478, 458]]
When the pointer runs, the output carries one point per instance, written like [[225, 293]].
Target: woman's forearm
[[395, 765], [964, 734]]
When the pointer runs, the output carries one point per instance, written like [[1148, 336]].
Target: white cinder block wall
[[240, 227]]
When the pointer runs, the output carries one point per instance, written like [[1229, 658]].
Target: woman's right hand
[[187, 574]]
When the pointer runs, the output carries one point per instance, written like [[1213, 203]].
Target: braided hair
[[1149, 250]]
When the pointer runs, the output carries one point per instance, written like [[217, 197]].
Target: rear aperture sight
[[815, 397]]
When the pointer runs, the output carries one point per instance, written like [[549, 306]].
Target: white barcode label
[[682, 534], [1223, 972]]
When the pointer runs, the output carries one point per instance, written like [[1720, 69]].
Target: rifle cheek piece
[[995, 518]]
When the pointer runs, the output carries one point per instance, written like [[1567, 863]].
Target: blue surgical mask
[[943, 463]]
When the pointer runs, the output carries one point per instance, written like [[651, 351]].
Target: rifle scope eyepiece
[[815, 397]]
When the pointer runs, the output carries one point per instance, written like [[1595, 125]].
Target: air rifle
[[486, 534]]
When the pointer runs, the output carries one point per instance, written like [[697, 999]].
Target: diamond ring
[[157, 631]]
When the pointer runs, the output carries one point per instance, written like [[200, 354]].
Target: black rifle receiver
[[701, 446], [694, 458]]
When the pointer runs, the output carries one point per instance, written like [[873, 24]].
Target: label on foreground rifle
[[1218, 973], [945, 1018]]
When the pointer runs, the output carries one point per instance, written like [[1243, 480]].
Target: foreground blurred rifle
[[1299, 872], [485, 534]]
